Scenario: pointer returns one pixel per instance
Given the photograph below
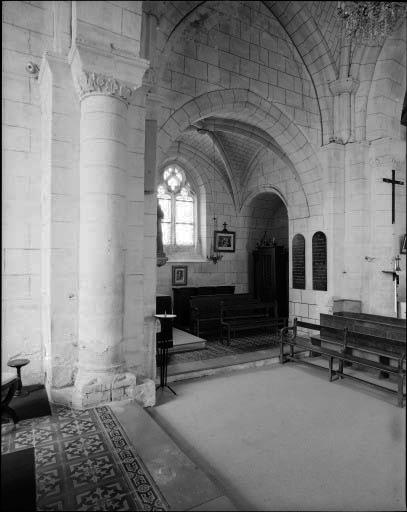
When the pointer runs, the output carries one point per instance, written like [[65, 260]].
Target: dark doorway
[[268, 250]]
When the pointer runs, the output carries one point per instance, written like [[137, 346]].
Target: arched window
[[179, 204], [319, 262], [298, 262]]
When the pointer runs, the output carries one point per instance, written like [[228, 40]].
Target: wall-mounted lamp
[[214, 256], [397, 264]]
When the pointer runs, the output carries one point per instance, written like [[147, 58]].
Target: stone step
[[187, 347], [224, 364], [182, 483]]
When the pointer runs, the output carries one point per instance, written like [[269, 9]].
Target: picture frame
[[179, 275], [403, 248], [224, 241]]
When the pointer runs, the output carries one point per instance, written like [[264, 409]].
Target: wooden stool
[[18, 363]]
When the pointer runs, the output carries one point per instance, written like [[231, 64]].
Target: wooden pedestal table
[[162, 349], [18, 364]]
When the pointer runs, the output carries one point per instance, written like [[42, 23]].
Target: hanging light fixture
[[397, 264], [215, 256], [370, 21]]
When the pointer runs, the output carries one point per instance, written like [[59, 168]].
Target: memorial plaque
[[319, 262], [298, 255]]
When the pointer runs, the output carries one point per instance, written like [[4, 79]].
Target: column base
[[104, 388]]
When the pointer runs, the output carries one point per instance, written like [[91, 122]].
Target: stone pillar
[[103, 181], [333, 156], [102, 374], [153, 105], [344, 90]]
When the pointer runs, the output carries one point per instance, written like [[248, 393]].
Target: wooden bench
[[250, 316], [346, 343], [372, 329], [205, 310]]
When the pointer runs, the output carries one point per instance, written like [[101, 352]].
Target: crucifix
[[393, 182]]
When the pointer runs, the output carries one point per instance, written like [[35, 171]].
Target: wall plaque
[[298, 262], [319, 262]]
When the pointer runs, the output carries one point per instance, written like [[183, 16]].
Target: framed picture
[[179, 275], [403, 248], [224, 241]]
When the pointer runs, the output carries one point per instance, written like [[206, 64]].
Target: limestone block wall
[[41, 185], [241, 46], [27, 30]]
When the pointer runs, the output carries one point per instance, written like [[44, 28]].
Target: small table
[[18, 364], [162, 350]]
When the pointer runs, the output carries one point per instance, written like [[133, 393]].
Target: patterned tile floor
[[84, 461], [250, 342]]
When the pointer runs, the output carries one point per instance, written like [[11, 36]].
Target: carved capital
[[344, 85], [89, 82]]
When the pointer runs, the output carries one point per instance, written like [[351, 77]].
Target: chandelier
[[370, 22]]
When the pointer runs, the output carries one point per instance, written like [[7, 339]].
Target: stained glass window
[[178, 203]]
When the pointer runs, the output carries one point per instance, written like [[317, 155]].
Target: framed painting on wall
[[179, 275], [224, 241]]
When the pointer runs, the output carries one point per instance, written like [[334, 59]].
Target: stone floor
[[92, 460], [283, 437], [191, 452]]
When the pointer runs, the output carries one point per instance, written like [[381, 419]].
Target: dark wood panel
[[270, 276], [298, 262], [319, 262]]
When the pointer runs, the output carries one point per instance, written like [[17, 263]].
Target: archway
[[267, 247]]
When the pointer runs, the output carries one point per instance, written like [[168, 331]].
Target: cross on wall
[[393, 182]]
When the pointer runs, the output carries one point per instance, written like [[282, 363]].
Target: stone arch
[[300, 28], [363, 56], [261, 189], [188, 153], [387, 90], [261, 114], [296, 21]]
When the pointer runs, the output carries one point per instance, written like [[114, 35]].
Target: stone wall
[[266, 78], [27, 33]]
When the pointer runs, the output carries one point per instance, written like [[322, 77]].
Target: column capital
[[89, 82], [342, 85], [96, 71]]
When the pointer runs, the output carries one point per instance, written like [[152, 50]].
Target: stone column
[[104, 165], [103, 180]]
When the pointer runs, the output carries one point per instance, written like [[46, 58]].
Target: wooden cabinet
[[270, 276]]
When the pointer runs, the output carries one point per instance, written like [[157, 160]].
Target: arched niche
[[319, 262], [298, 262]]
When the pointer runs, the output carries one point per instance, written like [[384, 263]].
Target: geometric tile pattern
[[146, 491], [249, 342], [84, 461]]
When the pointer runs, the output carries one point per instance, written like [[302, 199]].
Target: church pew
[[383, 354], [373, 318], [205, 310], [368, 324], [365, 324], [182, 296], [249, 316]]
